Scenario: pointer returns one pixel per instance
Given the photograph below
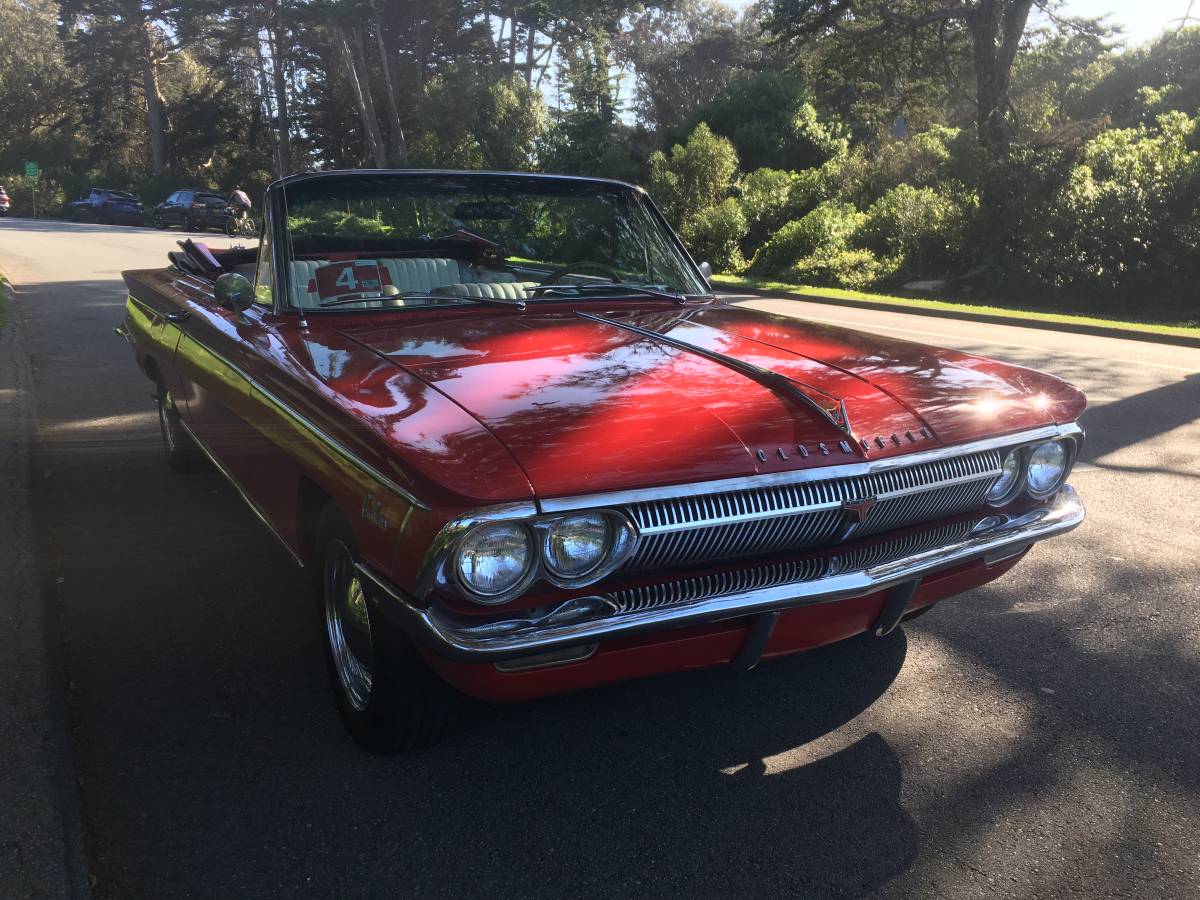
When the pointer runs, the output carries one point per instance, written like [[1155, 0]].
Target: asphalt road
[[1036, 738]]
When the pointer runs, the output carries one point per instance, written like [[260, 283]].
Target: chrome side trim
[[774, 381], [254, 507], [331, 443], [593, 619], [846, 470]]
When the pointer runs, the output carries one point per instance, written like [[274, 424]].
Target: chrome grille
[[808, 514], [732, 583]]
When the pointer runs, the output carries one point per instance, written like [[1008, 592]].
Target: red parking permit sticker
[[343, 279]]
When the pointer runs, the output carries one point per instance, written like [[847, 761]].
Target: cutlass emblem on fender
[[372, 511]]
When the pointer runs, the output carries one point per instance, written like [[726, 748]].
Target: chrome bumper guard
[[588, 620]]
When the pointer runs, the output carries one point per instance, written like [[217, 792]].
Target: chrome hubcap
[[348, 624]]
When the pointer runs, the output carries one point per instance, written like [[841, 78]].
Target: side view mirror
[[234, 291], [706, 271]]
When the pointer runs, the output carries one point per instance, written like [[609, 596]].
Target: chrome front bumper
[[589, 620]]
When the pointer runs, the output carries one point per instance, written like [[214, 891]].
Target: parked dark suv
[[106, 207], [193, 211]]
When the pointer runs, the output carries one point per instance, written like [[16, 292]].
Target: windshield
[[402, 240]]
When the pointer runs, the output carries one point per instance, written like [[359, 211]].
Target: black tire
[[404, 706], [186, 223], [180, 452], [159, 222]]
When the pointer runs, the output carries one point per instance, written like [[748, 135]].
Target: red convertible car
[[524, 449]]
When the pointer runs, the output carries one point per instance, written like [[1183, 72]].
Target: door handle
[[182, 316]]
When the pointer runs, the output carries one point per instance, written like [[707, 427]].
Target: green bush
[[851, 269], [766, 199], [918, 225], [772, 122], [50, 195], [697, 175], [1121, 226], [714, 235], [827, 228]]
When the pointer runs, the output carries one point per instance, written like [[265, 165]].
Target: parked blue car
[[107, 207]]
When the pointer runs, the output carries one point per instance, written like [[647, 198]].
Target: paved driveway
[[1037, 737]]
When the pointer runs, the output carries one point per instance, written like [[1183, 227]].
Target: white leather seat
[[408, 275], [497, 290]]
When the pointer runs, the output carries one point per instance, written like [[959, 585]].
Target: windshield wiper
[[606, 287], [448, 299]]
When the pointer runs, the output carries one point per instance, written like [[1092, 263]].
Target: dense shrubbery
[[1115, 218]]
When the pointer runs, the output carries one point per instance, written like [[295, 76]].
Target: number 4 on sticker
[[347, 280]]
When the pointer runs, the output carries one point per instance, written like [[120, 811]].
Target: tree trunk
[[283, 121], [530, 53], [996, 32], [396, 145], [512, 40], [366, 114], [364, 80], [265, 94], [156, 116]]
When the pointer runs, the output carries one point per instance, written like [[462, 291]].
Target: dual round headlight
[[1039, 469], [1046, 468], [574, 546], [496, 557]]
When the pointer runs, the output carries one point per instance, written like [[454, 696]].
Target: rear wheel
[[177, 444], [389, 699]]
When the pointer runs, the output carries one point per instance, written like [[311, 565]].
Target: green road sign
[[31, 169]]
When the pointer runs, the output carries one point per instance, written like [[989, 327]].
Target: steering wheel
[[579, 268]]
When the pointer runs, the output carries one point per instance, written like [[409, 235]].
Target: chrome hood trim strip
[[835, 415], [592, 619]]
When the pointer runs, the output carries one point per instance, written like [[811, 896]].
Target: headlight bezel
[[522, 582], [1018, 485], [621, 542], [1068, 450], [1070, 445], [551, 533]]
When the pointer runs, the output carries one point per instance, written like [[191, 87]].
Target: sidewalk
[[41, 846]]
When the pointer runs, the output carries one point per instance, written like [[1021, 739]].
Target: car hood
[[586, 404]]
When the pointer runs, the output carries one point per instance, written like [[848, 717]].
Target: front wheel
[[389, 699], [159, 222]]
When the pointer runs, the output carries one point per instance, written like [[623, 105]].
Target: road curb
[[41, 831], [964, 315]]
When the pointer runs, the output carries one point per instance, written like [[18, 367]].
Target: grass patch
[[952, 306]]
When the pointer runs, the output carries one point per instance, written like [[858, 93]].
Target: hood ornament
[[830, 408]]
